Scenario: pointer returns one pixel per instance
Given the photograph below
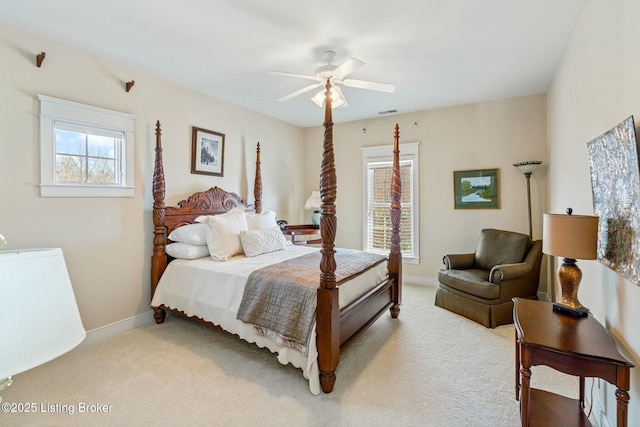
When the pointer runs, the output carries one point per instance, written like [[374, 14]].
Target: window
[[378, 171], [85, 151]]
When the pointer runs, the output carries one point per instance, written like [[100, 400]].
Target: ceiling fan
[[336, 75]]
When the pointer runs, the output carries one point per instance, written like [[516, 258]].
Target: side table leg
[[581, 399], [525, 395], [517, 364], [622, 396]]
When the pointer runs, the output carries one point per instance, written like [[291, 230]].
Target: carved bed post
[[159, 257], [257, 186], [395, 255], [328, 311]]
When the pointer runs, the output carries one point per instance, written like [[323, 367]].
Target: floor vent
[[388, 112]]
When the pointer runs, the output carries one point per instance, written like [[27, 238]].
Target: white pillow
[[205, 218], [262, 221], [257, 242], [223, 234], [193, 234], [186, 251]]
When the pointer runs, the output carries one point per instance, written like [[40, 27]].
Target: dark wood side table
[[302, 230], [573, 345]]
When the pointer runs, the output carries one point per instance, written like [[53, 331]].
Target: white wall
[[478, 136], [107, 242], [596, 87]]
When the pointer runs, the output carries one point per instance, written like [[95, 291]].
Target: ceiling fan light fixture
[[337, 100]]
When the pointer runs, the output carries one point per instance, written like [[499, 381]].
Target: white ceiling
[[438, 53]]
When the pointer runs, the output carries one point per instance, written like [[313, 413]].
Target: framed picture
[[207, 152], [477, 189]]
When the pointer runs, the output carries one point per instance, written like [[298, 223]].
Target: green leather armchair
[[480, 285]]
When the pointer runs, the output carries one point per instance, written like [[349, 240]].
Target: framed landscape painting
[[477, 189], [207, 152]]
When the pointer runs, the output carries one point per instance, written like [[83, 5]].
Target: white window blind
[[378, 171]]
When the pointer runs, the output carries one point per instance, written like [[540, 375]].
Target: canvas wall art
[[615, 181]]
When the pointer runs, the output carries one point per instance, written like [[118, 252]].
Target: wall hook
[[129, 85], [40, 58]]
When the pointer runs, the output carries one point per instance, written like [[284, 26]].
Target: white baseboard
[[118, 328], [419, 280]]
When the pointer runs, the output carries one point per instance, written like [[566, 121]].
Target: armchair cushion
[[497, 247]]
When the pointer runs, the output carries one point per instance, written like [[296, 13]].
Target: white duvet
[[212, 290]]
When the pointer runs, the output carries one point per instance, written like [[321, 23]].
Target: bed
[[342, 312]]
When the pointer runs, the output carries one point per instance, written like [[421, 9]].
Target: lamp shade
[[528, 167], [337, 100], [314, 201], [39, 318], [570, 236]]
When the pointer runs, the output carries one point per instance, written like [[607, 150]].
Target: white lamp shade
[[337, 100], [314, 201], [39, 317], [528, 167], [570, 236]]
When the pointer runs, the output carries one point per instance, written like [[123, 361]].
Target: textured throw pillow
[[193, 234], [223, 234], [257, 242], [262, 221], [186, 251]]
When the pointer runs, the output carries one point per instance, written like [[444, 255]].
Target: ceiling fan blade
[[300, 91], [302, 76], [363, 84], [348, 67]]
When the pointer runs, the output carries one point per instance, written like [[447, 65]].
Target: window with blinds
[[377, 204]]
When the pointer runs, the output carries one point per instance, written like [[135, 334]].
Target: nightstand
[[307, 230], [578, 346]]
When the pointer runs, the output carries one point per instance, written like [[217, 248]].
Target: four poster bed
[[343, 303]]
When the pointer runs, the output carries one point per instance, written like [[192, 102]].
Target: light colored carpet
[[428, 368]]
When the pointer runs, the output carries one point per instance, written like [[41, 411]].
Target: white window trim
[[408, 151], [52, 109]]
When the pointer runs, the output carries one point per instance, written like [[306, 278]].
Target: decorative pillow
[[258, 242], [193, 234], [205, 218], [223, 234], [262, 221], [186, 251]]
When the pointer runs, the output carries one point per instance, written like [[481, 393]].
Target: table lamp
[[39, 318], [571, 237], [314, 202]]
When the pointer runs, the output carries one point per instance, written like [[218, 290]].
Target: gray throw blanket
[[280, 299]]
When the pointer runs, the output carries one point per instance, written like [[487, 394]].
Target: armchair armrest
[[503, 272], [459, 261]]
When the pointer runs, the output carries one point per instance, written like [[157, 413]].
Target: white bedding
[[212, 290]]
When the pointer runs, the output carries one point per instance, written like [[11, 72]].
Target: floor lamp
[[527, 168], [39, 318]]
